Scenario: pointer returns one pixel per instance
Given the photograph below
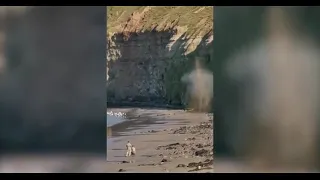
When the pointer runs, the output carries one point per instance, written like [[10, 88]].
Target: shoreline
[[166, 140], [130, 104], [114, 120]]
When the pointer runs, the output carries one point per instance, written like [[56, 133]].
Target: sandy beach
[[165, 141]]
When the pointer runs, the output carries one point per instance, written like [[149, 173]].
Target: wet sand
[[165, 141]]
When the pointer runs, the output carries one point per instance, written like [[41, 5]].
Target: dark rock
[[181, 165], [199, 146], [202, 164], [147, 164], [181, 130], [202, 152], [164, 160], [169, 146], [123, 162], [193, 164], [197, 169], [121, 170]]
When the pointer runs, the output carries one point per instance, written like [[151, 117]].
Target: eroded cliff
[[150, 48]]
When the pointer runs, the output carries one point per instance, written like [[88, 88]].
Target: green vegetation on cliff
[[193, 18]]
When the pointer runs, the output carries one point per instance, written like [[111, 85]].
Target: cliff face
[[149, 51]]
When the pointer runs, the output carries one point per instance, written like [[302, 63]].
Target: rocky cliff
[[150, 48]]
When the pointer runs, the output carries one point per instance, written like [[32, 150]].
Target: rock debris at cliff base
[[200, 144]]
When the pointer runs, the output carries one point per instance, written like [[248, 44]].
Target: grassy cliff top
[[191, 18]]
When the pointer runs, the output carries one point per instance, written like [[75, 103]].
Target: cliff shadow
[[145, 68]]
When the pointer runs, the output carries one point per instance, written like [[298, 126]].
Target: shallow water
[[112, 120]]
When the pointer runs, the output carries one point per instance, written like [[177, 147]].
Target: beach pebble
[[202, 152], [199, 146], [181, 165], [164, 160]]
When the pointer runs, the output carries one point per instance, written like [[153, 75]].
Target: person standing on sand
[[133, 150], [129, 148]]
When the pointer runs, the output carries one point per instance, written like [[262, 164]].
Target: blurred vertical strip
[[52, 96], [7, 13], [267, 88]]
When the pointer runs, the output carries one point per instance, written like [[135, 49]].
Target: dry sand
[[165, 141]]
